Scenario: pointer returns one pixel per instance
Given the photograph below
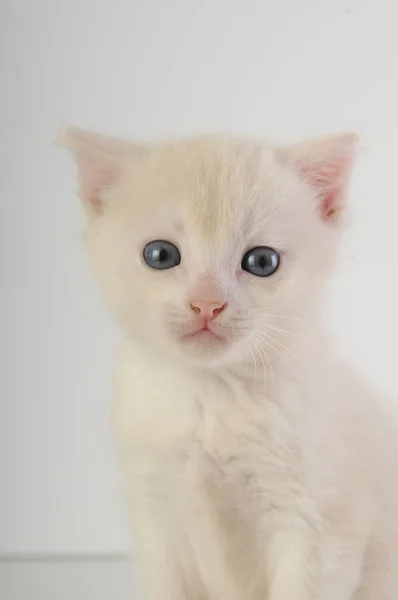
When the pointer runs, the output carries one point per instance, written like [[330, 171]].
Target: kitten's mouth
[[204, 334]]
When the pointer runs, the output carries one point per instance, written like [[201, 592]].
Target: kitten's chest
[[222, 429]]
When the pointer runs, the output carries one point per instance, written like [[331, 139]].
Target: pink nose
[[208, 310]]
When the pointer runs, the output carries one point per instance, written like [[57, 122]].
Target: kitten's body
[[263, 469], [221, 477]]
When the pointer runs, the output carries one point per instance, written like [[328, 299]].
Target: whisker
[[269, 364], [264, 353], [282, 345], [285, 358], [255, 366], [296, 335], [265, 314], [263, 363], [269, 344]]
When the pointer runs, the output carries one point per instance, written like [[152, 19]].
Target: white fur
[[264, 469]]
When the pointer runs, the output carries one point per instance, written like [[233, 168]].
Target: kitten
[[258, 466]]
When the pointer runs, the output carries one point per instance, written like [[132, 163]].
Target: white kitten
[[258, 466]]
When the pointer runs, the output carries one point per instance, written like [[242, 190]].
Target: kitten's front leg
[[300, 567], [289, 568], [156, 556], [177, 545], [292, 558], [165, 565], [314, 557]]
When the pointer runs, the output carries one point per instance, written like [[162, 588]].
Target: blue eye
[[261, 261], [161, 255]]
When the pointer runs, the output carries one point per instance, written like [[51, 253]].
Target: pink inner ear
[[329, 206], [100, 160], [325, 164], [329, 178], [93, 179]]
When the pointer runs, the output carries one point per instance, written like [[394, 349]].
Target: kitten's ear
[[326, 165], [100, 160]]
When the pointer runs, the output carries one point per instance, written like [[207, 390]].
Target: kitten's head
[[212, 248]]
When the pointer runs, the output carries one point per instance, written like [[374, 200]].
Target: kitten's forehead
[[220, 195], [223, 185]]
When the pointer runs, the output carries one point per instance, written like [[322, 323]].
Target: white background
[[151, 69]]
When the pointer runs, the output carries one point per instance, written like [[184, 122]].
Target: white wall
[[150, 69]]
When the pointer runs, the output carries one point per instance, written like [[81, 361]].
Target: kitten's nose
[[208, 310]]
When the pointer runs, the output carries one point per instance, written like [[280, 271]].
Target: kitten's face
[[211, 250]]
